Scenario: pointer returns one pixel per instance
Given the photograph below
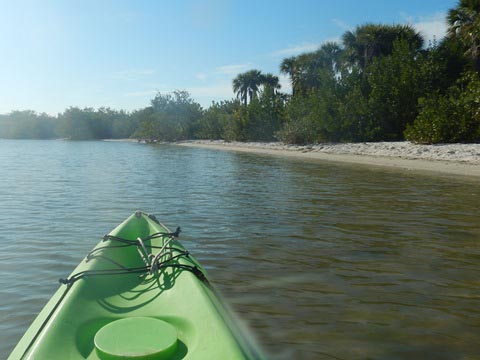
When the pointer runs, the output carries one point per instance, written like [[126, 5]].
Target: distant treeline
[[381, 83], [73, 123]]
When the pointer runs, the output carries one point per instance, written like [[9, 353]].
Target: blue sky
[[120, 53]]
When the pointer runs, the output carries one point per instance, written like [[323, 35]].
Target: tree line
[[379, 83], [74, 123]]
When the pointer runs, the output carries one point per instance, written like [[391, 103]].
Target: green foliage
[[123, 124], [365, 91], [314, 117], [324, 103], [451, 60], [464, 25], [291, 67], [216, 122], [433, 124], [452, 117], [247, 85], [305, 70], [170, 117], [396, 83], [263, 117], [372, 93], [370, 41], [354, 113], [88, 123], [259, 121], [27, 125], [73, 123], [298, 127]]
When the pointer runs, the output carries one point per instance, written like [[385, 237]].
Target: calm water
[[322, 260]]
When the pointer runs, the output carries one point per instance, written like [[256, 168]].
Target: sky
[[120, 53]]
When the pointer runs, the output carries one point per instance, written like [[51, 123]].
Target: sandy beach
[[452, 159]]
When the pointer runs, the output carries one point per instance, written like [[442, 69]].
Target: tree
[[396, 82], [304, 70], [27, 124], [171, 117], [330, 56], [449, 117], [146, 124], [372, 40], [246, 85], [290, 67], [313, 116], [318, 64], [218, 121], [260, 120], [464, 25], [77, 124], [271, 84]]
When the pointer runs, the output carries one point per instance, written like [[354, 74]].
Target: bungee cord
[[152, 262]]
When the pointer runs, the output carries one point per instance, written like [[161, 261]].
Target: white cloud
[[302, 48], [296, 49], [431, 27], [341, 24]]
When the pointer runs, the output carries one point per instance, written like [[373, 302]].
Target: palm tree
[[271, 83], [290, 66], [464, 24], [246, 85], [324, 61], [371, 40], [329, 55], [305, 69], [240, 87]]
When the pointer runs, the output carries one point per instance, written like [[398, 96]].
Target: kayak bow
[[137, 295]]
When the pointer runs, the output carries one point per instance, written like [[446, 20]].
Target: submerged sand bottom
[[452, 159]]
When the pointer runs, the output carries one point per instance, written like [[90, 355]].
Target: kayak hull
[[94, 297]]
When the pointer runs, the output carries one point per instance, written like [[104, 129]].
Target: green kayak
[[137, 295]]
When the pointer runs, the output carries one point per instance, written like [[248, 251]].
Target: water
[[323, 261]]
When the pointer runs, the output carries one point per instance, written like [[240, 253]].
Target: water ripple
[[322, 260]]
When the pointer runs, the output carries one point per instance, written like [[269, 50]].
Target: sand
[[450, 159]]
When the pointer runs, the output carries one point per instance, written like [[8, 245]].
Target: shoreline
[[122, 140], [447, 159]]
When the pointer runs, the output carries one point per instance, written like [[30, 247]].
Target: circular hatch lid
[[140, 338]]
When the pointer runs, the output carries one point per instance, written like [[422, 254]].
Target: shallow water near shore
[[323, 261]]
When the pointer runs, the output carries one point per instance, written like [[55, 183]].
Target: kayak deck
[[142, 273]]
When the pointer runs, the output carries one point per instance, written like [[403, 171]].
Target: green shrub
[[453, 117]]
